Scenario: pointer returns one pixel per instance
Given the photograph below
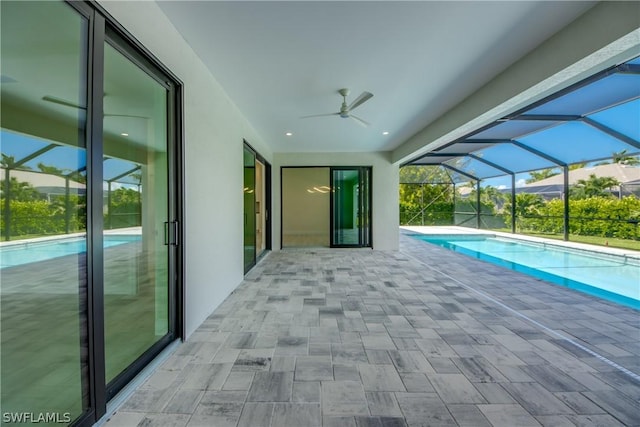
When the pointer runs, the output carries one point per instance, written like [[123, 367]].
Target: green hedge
[[40, 217], [438, 213], [593, 216]]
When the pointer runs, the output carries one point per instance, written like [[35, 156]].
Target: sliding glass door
[[326, 206], [350, 207], [139, 234], [90, 202], [257, 199]]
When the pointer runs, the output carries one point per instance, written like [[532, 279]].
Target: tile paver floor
[[420, 337]]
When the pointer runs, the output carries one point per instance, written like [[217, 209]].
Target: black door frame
[[102, 28], [364, 207], [267, 205], [366, 240]]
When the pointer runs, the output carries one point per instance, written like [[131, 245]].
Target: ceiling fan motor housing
[[344, 110]]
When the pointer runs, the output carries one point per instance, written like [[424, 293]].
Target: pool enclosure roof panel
[[512, 129], [593, 120], [596, 96], [575, 142], [472, 166], [514, 158], [30, 154], [433, 160], [617, 118]]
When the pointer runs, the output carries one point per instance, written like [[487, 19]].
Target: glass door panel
[[350, 211], [249, 209], [305, 206], [136, 210], [43, 258]]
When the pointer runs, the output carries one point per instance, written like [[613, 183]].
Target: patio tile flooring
[[419, 337]]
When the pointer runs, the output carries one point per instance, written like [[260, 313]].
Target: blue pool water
[[611, 277], [26, 253]]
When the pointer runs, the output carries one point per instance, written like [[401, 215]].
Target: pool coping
[[116, 231], [627, 254]]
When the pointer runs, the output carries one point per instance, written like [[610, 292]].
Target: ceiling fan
[[345, 111], [66, 103]]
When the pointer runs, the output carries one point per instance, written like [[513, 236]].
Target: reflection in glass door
[[138, 233], [350, 207], [43, 268], [305, 206]]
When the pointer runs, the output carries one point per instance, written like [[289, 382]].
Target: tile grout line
[[535, 322]]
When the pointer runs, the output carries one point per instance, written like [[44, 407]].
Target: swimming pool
[[28, 252], [611, 277]]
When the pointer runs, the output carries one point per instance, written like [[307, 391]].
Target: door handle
[[176, 233], [171, 233]]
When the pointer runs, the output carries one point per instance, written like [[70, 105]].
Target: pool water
[[26, 253], [611, 277]]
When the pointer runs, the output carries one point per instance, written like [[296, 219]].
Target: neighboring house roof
[[628, 176], [44, 183], [623, 173]]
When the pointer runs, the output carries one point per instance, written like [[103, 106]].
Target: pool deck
[[419, 337]]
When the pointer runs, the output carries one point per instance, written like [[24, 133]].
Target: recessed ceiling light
[[385, 132], [124, 134], [288, 134]]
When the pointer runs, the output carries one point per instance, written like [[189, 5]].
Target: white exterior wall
[[213, 138], [385, 212]]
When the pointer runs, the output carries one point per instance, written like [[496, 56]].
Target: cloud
[[521, 182]]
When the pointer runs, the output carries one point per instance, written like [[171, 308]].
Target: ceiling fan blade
[[364, 97], [320, 115], [61, 101], [66, 103], [127, 115], [360, 121]]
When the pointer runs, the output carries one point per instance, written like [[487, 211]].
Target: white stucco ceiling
[[281, 60]]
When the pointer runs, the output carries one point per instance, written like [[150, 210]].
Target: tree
[[526, 204], [20, 191], [621, 157], [595, 186], [76, 176], [577, 166], [541, 174], [423, 174], [8, 162], [494, 196], [425, 196], [50, 170], [124, 208], [491, 199], [528, 207]]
